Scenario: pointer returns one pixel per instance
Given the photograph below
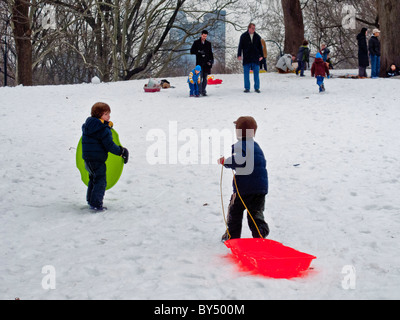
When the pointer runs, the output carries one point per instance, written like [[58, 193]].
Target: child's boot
[[98, 209]]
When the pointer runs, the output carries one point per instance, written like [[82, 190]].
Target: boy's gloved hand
[[125, 155]]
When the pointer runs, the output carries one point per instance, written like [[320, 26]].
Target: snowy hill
[[333, 162]]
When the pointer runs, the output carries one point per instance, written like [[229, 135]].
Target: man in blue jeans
[[374, 47], [250, 53]]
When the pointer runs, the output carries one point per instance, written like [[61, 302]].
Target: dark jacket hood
[[361, 36], [362, 33], [92, 125]]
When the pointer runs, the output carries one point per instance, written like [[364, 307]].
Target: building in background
[[186, 32]]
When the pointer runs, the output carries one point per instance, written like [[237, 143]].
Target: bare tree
[[7, 52], [389, 21], [22, 35], [129, 39], [294, 25]]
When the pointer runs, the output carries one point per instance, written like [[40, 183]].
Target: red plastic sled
[[154, 89], [211, 80], [269, 258]]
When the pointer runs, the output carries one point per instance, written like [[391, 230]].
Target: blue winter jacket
[[97, 140], [193, 77], [250, 166]]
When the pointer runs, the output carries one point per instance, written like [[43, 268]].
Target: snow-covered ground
[[334, 169]]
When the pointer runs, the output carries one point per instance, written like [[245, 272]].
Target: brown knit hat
[[244, 124]]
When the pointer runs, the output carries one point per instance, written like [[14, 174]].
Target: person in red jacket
[[319, 69]]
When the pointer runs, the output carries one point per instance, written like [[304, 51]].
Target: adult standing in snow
[[250, 52], [204, 58], [363, 60], [374, 47]]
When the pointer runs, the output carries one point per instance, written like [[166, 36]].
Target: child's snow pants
[[97, 183], [301, 67], [255, 203], [320, 83], [194, 89]]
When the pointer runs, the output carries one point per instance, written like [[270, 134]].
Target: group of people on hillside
[[365, 52], [252, 51], [249, 189], [372, 52], [368, 51]]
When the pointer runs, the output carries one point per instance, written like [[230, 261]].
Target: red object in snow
[[211, 80], [269, 258], [153, 89]]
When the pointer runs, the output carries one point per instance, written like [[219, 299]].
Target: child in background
[[194, 81], [251, 179], [303, 57], [97, 142], [393, 71], [319, 69], [324, 52]]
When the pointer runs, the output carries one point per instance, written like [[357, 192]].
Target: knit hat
[[375, 31], [318, 56], [198, 68], [246, 123]]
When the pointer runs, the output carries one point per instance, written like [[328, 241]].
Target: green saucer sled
[[115, 164]]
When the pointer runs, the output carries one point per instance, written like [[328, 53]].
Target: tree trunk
[[22, 35], [389, 21], [294, 25]]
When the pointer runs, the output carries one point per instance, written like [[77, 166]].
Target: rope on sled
[[240, 197], [222, 203]]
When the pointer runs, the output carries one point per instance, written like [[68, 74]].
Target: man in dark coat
[[251, 53], [363, 60], [204, 57], [374, 47]]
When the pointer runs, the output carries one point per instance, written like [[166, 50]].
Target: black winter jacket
[[250, 51], [363, 60], [303, 54], [251, 167], [374, 46], [204, 55], [390, 73], [97, 140]]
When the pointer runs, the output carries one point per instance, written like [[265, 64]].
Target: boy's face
[[106, 116], [393, 67], [197, 72]]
